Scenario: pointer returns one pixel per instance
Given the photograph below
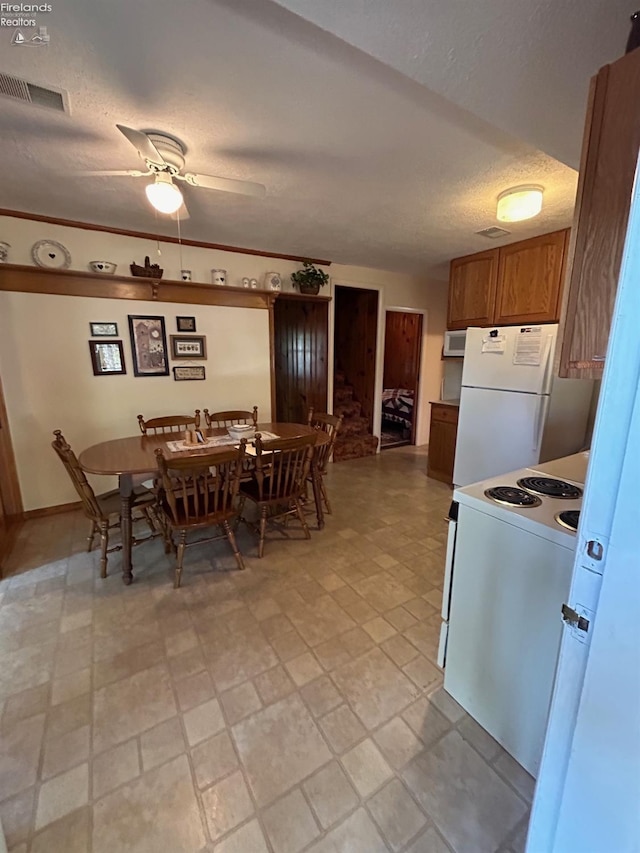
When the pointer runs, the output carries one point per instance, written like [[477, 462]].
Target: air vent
[[493, 233], [30, 93]]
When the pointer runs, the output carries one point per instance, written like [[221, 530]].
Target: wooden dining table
[[126, 457]]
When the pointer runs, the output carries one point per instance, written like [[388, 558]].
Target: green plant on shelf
[[309, 279]]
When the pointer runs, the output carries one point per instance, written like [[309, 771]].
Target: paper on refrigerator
[[528, 348], [495, 343]]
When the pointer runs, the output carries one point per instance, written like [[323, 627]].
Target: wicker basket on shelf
[[149, 270]]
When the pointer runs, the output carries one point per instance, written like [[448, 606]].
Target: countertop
[[454, 403]]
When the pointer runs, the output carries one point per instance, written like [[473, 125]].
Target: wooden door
[[402, 347], [356, 332], [301, 333], [10, 498], [530, 280], [443, 433], [472, 290], [609, 157]]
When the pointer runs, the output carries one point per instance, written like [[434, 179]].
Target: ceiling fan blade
[[226, 185], [132, 173], [143, 145]]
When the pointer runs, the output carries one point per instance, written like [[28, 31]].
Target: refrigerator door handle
[[547, 364], [539, 422]]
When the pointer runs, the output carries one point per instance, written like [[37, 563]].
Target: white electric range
[[508, 571]]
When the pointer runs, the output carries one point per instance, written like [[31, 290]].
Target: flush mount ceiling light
[[163, 194], [519, 203]]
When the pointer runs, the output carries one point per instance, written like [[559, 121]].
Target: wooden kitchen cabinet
[[609, 156], [442, 441], [472, 290], [520, 283], [530, 280]]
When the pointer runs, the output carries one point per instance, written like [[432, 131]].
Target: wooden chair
[[169, 423], [166, 424], [278, 482], [226, 419], [331, 424], [196, 492], [100, 509]]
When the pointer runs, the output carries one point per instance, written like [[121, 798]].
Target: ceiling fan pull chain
[[155, 216], [179, 239]]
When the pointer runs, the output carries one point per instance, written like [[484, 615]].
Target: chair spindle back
[[169, 423], [219, 420], [331, 424], [200, 487], [90, 505], [282, 466]]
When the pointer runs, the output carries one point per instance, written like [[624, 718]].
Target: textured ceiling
[[521, 66], [363, 165]]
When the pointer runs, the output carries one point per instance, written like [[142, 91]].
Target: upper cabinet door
[[530, 280], [472, 290], [609, 156]]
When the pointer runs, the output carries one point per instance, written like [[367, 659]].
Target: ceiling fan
[[164, 157]]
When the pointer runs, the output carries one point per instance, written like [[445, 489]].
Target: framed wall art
[[104, 330], [186, 374], [186, 324], [194, 346], [107, 358], [148, 346]]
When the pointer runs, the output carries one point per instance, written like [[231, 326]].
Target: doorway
[[402, 350], [354, 381], [301, 334]]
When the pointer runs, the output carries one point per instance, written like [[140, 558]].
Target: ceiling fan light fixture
[[163, 194], [518, 203]]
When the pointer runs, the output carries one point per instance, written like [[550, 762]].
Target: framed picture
[[185, 374], [107, 358], [192, 347], [104, 330], [148, 346], [186, 324]]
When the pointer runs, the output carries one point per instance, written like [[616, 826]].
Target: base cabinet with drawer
[[442, 441]]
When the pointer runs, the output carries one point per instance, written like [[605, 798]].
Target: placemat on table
[[216, 441]]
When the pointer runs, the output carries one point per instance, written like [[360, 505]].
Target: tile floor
[[295, 706]]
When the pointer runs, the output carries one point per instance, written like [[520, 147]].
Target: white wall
[[46, 368], [49, 383]]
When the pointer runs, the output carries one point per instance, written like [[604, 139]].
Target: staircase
[[354, 439]]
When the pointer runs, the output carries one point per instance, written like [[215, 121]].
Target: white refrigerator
[[513, 412]]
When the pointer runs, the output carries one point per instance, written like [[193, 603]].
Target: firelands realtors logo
[[21, 17]]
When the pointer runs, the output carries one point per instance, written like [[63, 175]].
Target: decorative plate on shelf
[[49, 253]]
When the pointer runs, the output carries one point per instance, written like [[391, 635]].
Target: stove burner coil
[[510, 496], [550, 487], [569, 519]]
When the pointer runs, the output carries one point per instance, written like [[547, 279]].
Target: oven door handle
[[448, 568]]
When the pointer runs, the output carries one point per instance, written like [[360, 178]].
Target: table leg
[[317, 494], [126, 492]]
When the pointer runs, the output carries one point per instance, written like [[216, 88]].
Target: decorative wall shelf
[[287, 294], [27, 279]]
